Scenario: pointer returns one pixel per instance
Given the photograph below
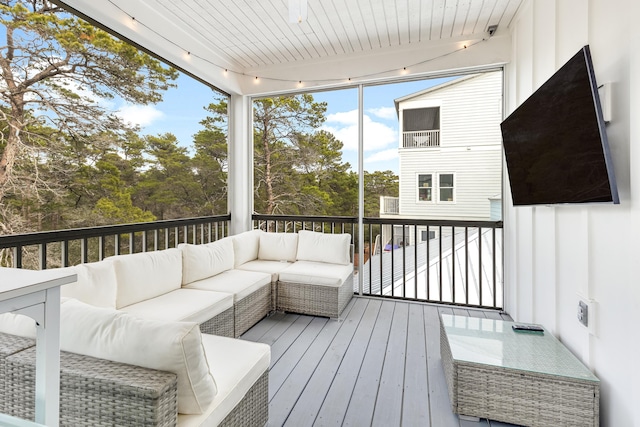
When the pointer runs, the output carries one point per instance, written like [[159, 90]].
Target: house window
[[417, 119], [445, 187], [425, 187]]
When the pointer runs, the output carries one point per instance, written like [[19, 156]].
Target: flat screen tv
[[555, 142]]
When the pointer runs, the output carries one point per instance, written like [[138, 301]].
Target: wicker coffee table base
[[518, 397]]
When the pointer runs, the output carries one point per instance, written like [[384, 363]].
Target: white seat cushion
[[156, 344], [202, 261], [188, 305], [236, 365], [245, 246], [316, 273], [146, 275], [321, 247], [96, 284], [263, 266], [278, 246], [240, 283]]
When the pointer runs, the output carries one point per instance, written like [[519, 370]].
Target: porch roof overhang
[[227, 44]]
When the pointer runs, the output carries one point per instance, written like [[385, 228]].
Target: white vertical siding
[[556, 255]]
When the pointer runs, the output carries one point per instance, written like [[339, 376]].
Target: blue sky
[[183, 108]]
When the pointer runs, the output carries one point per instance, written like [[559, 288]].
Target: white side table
[[37, 295]]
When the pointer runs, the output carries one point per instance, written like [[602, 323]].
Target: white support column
[[240, 178], [361, 188]]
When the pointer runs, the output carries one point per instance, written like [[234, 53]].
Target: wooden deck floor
[[379, 365]]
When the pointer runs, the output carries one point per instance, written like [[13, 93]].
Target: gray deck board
[[416, 390], [365, 393], [388, 410], [312, 397], [336, 402], [439, 405], [379, 364]]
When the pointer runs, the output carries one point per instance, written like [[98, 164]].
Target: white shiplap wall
[[470, 147]]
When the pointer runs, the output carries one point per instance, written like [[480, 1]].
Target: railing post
[[17, 257], [42, 255]]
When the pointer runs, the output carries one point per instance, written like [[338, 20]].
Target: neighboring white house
[[450, 154]]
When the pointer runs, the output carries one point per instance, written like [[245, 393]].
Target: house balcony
[[421, 139], [389, 205]]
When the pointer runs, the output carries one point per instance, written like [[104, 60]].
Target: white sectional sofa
[[175, 312], [228, 285], [118, 369]]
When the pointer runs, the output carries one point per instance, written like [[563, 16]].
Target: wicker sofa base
[[95, 392], [253, 409], [315, 300], [518, 397], [9, 345], [222, 324], [251, 309]]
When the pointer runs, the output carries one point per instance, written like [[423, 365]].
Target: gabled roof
[[433, 89]]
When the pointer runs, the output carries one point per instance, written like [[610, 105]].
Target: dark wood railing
[[62, 248], [447, 262]]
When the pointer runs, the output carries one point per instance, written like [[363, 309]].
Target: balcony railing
[[389, 205], [49, 249], [448, 262], [421, 138]]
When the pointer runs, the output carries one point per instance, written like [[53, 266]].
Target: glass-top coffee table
[[516, 377]]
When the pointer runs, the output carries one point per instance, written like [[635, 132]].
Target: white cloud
[[344, 126], [141, 115], [388, 113], [382, 156]]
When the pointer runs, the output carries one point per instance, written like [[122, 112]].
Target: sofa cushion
[[182, 305], [278, 246], [316, 273], [146, 275], [263, 266], [245, 246], [321, 247], [202, 261], [167, 346], [240, 283], [96, 284], [17, 324], [236, 365]]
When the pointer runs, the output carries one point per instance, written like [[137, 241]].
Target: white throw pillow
[[96, 284], [145, 275], [245, 246], [203, 261], [278, 246], [156, 344], [321, 247]]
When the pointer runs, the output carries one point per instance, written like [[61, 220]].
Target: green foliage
[[67, 161], [57, 72]]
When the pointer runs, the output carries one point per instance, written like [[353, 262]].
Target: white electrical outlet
[[586, 313], [583, 313]]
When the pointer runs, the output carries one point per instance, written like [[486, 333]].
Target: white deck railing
[[389, 205], [421, 138]]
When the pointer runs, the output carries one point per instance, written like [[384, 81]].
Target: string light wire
[[257, 78]]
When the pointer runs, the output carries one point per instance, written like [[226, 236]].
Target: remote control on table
[[523, 327]]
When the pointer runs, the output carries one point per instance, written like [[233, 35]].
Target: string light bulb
[[300, 15]]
